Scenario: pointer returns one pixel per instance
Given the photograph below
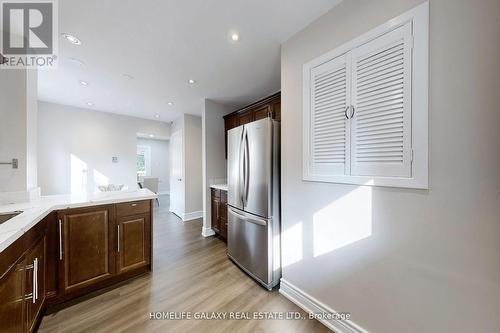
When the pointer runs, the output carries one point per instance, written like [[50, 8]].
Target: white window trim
[[419, 16]]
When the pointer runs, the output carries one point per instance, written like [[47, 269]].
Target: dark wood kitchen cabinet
[[12, 303], [102, 245], [134, 236], [215, 206], [219, 212], [223, 214], [70, 253], [22, 281], [35, 282], [87, 254], [267, 107]]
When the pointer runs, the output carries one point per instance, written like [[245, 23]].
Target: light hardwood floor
[[191, 273]]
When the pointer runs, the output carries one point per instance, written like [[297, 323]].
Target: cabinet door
[[35, 282], [223, 214], [133, 242], [215, 206], [245, 118], [277, 110], [223, 220], [262, 112], [52, 256], [230, 122], [88, 255], [12, 305]]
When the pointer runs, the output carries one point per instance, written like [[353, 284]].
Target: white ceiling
[[163, 43]]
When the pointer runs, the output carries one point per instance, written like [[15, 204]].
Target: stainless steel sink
[[7, 216]]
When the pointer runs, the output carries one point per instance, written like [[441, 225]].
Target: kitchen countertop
[[222, 187], [34, 211]]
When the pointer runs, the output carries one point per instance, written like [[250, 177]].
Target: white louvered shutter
[[329, 130], [381, 96]]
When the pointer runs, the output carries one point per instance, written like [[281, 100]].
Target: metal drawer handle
[[133, 205], [249, 219], [118, 238], [60, 240], [35, 280]]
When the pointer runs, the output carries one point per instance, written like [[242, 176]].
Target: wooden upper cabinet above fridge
[[267, 107]]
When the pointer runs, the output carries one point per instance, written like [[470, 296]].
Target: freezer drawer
[[250, 246]]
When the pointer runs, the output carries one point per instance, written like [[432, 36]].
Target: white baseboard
[[192, 216], [312, 305], [207, 232]]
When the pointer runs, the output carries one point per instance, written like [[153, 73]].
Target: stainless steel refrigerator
[[253, 235]]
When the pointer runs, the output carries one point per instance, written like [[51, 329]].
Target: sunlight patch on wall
[[100, 179], [292, 247], [344, 221], [78, 175]]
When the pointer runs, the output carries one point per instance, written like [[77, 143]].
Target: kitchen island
[[66, 246]]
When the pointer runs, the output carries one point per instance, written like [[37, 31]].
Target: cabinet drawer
[[215, 193], [132, 208]]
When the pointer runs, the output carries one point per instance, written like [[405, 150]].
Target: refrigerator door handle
[[241, 171], [247, 167], [247, 218]]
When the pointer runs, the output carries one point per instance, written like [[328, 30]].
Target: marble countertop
[[34, 211], [222, 187]]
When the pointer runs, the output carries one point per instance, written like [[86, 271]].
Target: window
[[365, 107], [143, 161]]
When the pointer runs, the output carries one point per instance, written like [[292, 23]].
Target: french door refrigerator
[[253, 236]]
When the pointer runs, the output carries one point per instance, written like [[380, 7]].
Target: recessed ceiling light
[[128, 76], [170, 103], [72, 39], [157, 116], [77, 62], [151, 136], [235, 37], [84, 83], [90, 104], [191, 81]]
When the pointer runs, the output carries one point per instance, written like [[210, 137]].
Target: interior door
[[176, 173], [257, 170], [234, 164]]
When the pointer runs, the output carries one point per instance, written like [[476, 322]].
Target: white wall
[[214, 159], [92, 137], [403, 260], [192, 164], [18, 111], [160, 161]]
